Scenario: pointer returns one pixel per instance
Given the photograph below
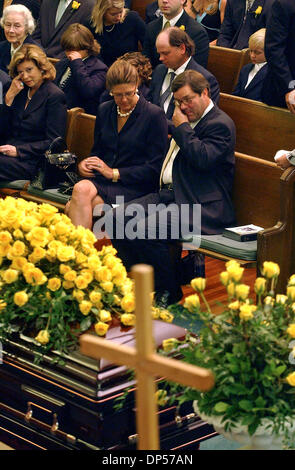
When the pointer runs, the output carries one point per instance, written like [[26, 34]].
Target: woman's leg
[[81, 204]]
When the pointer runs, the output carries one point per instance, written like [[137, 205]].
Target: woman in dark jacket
[[33, 115], [130, 143], [18, 25], [117, 29], [81, 75]]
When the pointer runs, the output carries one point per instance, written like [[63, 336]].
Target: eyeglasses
[[186, 101], [14, 26], [128, 94]]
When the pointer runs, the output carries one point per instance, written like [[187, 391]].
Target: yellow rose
[[161, 397], [2, 305], [269, 300], [291, 379], [101, 328], [61, 228], [38, 236], [11, 217], [5, 237], [224, 278], [54, 284], [75, 5], [19, 263], [246, 312], [18, 248], [166, 316], [79, 295], [105, 316], [93, 262], [81, 282], [63, 269], [270, 269], [182, 27], [20, 298], [109, 260], [10, 275], [169, 344], [156, 313], [47, 210], [34, 276], [107, 286], [234, 305], [68, 285], [103, 274], [260, 285], [198, 284], [291, 292], [43, 337], [65, 253], [258, 10], [37, 254], [70, 275], [128, 303], [87, 274], [235, 272], [95, 297], [18, 233], [291, 330], [291, 281], [192, 302], [81, 258], [128, 319], [281, 299], [85, 306], [242, 291]]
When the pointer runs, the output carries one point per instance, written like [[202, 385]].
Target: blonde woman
[[210, 13], [117, 29], [33, 115]]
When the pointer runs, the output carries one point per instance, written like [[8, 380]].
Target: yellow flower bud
[[260, 285], [161, 397], [54, 284], [291, 281], [128, 303], [95, 296], [107, 286], [234, 305], [128, 319], [10, 275], [198, 284], [246, 312], [230, 288], [105, 316], [166, 316], [20, 298], [291, 379], [224, 278], [291, 330], [281, 299], [101, 328], [235, 272], [269, 300], [242, 291], [70, 275], [291, 292], [2, 305], [270, 270], [192, 302], [85, 307], [169, 344], [43, 337]]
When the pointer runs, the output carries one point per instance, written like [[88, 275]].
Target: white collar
[[173, 21], [181, 68], [209, 107], [257, 67]]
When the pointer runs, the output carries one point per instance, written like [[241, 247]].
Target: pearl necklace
[[124, 114], [111, 29]]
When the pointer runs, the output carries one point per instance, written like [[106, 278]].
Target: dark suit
[[32, 130], [233, 22], [152, 12], [202, 173], [85, 84], [279, 52], [137, 150], [254, 89], [192, 28], [5, 83], [158, 78], [48, 35], [32, 5], [5, 56]]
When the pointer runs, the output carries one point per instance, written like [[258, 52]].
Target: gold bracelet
[[116, 175]]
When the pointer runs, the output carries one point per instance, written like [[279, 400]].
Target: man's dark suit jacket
[[254, 89], [233, 20], [86, 83], [32, 5], [32, 130], [279, 52], [203, 169], [196, 31], [5, 56], [138, 150], [150, 12], [5, 81], [48, 35], [159, 76]]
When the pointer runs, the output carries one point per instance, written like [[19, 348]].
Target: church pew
[[264, 195], [261, 129], [140, 6], [225, 64]]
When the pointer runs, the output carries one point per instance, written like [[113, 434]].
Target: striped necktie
[[168, 91], [62, 6]]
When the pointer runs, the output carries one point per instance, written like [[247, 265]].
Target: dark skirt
[[13, 168], [109, 190]]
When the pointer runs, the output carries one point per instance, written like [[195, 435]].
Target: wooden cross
[[146, 362]]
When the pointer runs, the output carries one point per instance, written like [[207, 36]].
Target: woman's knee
[[84, 189]]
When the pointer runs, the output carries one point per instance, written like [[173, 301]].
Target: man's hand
[[8, 150], [178, 116], [290, 101]]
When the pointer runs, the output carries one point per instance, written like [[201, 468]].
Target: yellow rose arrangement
[[54, 284], [250, 348]]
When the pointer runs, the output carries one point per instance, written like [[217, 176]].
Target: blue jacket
[[254, 89]]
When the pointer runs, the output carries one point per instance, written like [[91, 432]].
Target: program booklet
[[243, 233]]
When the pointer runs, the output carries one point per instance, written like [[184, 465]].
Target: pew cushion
[[226, 246], [17, 184], [50, 194]]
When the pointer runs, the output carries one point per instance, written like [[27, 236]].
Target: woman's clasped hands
[[92, 165]]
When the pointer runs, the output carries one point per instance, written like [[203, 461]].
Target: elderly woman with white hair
[[18, 24]]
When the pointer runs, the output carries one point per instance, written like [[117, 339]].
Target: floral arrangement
[[54, 284], [249, 347]]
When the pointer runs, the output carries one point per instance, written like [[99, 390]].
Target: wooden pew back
[[225, 64], [80, 135], [261, 129], [140, 6]]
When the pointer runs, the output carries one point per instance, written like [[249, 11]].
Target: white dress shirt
[[173, 21], [253, 72]]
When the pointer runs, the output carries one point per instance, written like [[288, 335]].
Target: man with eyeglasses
[[175, 15], [176, 49], [197, 172]]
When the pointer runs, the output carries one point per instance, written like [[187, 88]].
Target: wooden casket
[[70, 404]]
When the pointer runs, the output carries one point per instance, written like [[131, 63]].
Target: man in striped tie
[[195, 188]]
